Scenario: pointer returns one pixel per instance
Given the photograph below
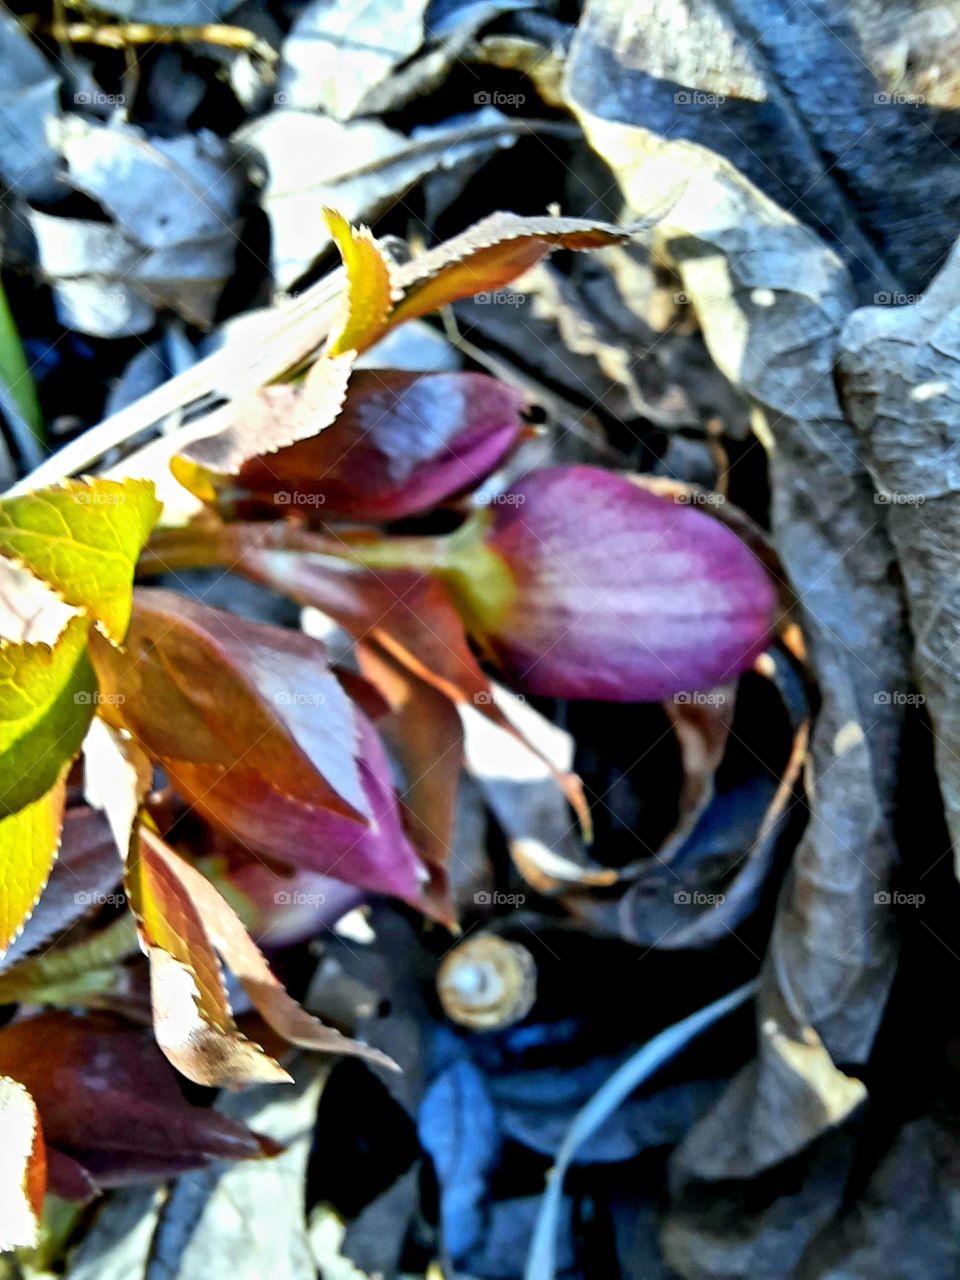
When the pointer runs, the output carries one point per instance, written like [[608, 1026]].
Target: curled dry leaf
[[832, 952], [228, 936], [488, 256], [403, 443], [110, 1103], [192, 1019], [23, 1172], [900, 382]]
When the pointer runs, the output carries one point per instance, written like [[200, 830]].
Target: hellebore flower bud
[[585, 585], [580, 584], [403, 443]]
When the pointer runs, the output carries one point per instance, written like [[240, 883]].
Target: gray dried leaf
[[164, 192], [747, 1236], [168, 13], [359, 168], [339, 50], [771, 299], [29, 103], [774, 1107], [246, 1220], [900, 374], [92, 266], [907, 1217], [749, 81]]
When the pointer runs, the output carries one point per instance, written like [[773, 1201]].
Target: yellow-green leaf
[[368, 296], [47, 694], [83, 539], [29, 840]]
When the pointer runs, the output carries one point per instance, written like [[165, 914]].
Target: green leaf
[[15, 373], [83, 539], [29, 840], [67, 975], [46, 702]]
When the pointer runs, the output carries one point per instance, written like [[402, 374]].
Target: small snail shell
[[487, 983]]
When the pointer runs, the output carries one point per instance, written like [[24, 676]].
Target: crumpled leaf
[[717, 867], [403, 443], [46, 701], [369, 291], [457, 1125], [29, 102], [24, 1167], [756, 99], [175, 200], [542, 1258], [751, 1236], [900, 382], [92, 267], [832, 953], [338, 51], [249, 1218], [313, 162], [109, 1101], [29, 840], [256, 732], [83, 539], [907, 1212], [264, 422], [186, 919]]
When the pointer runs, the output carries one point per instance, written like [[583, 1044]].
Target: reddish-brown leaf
[[259, 736], [228, 936], [488, 256], [110, 1103], [409, 616]]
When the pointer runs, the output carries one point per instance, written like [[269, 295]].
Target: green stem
[[477, 577]]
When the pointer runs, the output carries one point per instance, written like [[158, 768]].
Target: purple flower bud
[[403, 443], [588, 586]]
